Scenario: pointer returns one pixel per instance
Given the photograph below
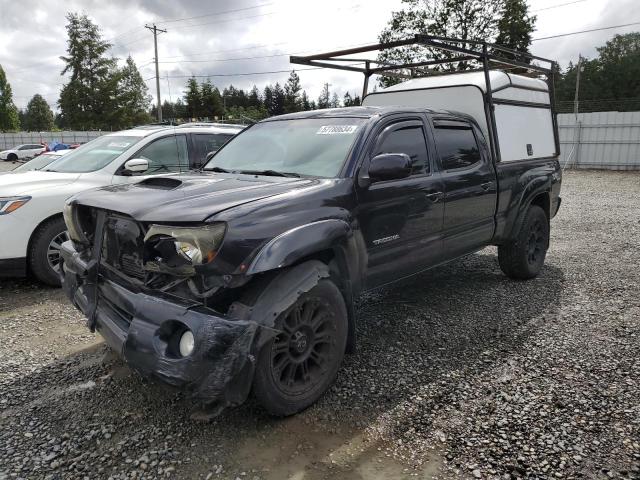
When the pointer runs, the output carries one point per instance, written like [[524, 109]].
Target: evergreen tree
[[347, 101], [38, 116], [133, 96], [304, 102], [325, 97], [268, 99], [208, 101], [90, 98], [335, 101], [193, 99], [515, 26], [292, 101], [464, 19], [254, 98], [277, 106], [9, 119]]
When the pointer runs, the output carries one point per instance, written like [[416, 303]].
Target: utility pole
[[576, 101], [155, 31]]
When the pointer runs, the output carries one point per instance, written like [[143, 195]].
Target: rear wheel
[[296, 367], [44, 255], [523, 257]]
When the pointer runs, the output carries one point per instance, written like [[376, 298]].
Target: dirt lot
[[459, 373]]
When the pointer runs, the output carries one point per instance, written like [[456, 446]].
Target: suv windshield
[[316, 147], [94, 155]]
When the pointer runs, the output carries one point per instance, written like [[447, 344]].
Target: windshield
[[309, 146], [37, 163], [94, 155]]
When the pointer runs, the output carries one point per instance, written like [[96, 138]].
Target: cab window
[[407, 139], [457, 147]]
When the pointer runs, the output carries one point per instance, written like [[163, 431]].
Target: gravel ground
[[6, 166], [460, 373]]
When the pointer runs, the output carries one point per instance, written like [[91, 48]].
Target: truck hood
[[26, 183], [187, 198]]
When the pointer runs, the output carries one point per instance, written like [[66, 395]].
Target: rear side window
[[409, 140], [457, 147], [205, 143]]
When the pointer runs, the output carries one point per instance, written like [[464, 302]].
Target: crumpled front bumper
[[138, 326]]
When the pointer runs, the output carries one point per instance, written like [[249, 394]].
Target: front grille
[[131, 265]]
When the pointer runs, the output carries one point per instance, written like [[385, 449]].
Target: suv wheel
[[523, 257], [296, 367], [44, 255], [12, 157]]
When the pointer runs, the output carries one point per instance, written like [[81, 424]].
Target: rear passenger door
[[401, 220], [470, 187]]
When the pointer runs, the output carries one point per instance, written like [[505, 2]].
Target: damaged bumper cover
[[144, 328]]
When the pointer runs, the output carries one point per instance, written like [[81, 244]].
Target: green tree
[[292, 100], [90, 99], [608, 82], [463, 19], [515, 26], [9, 119], [335, 101], [38, 116], [133, 96], [324, 100], [193, 99], [255, 100], [304, 101], [278, 102]]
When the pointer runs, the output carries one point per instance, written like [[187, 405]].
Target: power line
[[557, 6], [243, 74], [214, 13], [585, 31]]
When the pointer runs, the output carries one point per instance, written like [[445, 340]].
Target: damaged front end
[[151, 292]]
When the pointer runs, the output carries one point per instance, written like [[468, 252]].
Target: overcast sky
[[256, 37]]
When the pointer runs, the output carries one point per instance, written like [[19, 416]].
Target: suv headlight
[[10, 204], [194, 245]]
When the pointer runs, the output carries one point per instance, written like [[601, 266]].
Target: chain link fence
[[10, 140]]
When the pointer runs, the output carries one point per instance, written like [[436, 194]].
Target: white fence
[[10, 140], [600, 140]]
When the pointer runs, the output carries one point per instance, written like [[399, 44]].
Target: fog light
[[186, 343]]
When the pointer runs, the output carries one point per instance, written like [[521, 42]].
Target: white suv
[[22, 151], [31, 224]]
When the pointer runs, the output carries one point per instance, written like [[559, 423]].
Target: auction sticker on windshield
[[337, 130]]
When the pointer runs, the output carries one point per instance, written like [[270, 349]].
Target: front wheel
[[12, 157], [523, 257], [44, 255], [296, 367]]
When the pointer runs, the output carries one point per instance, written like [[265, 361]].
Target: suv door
[[168, 154], [470, 187], [401, 220]]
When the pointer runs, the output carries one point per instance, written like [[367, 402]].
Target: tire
[[523, 257], [295, 368], [12, 157], [44, 260]]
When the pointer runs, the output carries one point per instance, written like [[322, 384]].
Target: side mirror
[[136, 165], [210, 155], [390, 166]]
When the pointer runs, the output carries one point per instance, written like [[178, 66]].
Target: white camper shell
[[524, 122], [515, 112]]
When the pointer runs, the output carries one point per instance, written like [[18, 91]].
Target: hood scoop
[[161, 183]]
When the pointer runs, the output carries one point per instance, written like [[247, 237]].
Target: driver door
[[168, 154]]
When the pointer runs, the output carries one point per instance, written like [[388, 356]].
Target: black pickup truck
[[242, 277]]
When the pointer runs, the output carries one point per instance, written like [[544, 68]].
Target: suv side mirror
[[135, 165], [390, 166]]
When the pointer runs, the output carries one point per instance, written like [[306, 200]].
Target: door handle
[[486, 186], [434, 197]]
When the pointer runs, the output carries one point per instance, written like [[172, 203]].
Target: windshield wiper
[[271, 173]]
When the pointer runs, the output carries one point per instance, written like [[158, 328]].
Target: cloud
[[33, 36]]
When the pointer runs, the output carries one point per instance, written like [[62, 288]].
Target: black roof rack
[[488, 54]]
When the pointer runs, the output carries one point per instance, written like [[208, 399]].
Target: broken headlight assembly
[[179, 250], [70, 214]]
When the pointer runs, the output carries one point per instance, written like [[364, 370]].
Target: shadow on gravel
[[415, 338]]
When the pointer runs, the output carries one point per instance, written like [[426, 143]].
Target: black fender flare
[[535, 187], [298, 243]]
